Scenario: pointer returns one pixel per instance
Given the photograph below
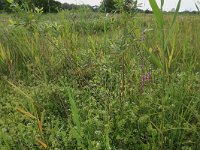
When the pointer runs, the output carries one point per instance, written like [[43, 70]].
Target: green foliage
[[10, 1], [75, 7], [72, 80], [158, 13], [166, 57], [48, 5], [27, 5], [108, 6], [118, 5], [4, 5]]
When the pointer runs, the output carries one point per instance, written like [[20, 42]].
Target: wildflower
[[146, 78]]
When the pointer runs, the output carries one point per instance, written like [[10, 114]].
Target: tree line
[[55, 6], [47, 5]]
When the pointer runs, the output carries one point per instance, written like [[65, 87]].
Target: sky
[[169, 4]]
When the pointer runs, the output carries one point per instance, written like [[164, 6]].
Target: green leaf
[[176, 12], [157, 12], [173, 22], [10, 1], [75, 116], [74, 109], [162, 4], [154, 59], [197, 7]]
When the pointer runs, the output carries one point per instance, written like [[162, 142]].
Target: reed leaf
[[157, 12], [172, 23], [155, 60], [197, 7]]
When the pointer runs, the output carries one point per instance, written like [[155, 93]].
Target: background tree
[[118, 5], [108, 6], [4, 5], [75, 7], [47, 5], [130, 5]]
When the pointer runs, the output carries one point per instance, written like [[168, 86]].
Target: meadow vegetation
[[86, 80]]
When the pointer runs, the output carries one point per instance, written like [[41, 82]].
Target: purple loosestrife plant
[[146, 79]]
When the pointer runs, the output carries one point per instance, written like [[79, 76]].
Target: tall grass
[[72, 80]]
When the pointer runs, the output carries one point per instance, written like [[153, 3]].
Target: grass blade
[[197, 7], [176, 12], [75, 116], [74, 109], [27, 114], [162, 4], [172, 24], [4, 139], [41, 143], [154, 59], [157, 12]]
